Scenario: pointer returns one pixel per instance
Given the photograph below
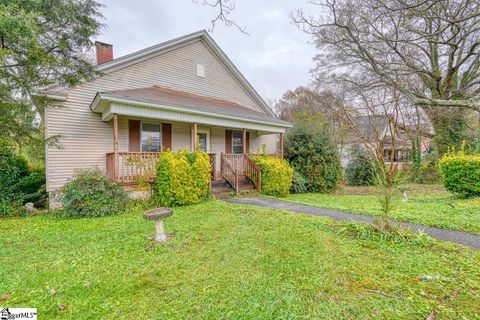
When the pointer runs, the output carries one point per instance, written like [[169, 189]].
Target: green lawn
[[230, 262], [428, 204]]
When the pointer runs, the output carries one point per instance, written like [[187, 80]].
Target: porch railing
[[228, 172], [253, 172], [233, 166], [236, 161], [131, 167], [213, 166]]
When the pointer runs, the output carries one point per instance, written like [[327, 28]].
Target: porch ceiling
[[178, 106]]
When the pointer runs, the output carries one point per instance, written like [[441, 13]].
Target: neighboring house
[[372, 131], [183, 93]]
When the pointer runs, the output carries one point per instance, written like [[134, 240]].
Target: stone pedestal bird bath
[[158, 215]]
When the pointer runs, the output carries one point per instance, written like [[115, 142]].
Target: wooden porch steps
[[222, 190]]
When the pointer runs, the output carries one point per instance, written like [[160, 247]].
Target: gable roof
[[186, 101], [201, 35]]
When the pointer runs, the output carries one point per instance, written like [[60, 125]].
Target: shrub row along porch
[[146, 122]]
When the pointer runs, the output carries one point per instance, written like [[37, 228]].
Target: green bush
[[276, 175], [299, 183], [19, 184], [92, 194], [182, 178], [360, 168], [461, 174], [428, 172], [312, 153]]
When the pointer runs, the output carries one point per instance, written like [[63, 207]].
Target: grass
[[231, 262], [429, 205]]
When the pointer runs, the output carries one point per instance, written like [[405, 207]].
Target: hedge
[[19, 184], [313, 154], [182, 178], [276, 175], [360, 168], [461, 174]]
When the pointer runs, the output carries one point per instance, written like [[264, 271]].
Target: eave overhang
[[107, 105]]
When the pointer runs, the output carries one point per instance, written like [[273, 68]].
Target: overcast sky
[[274, 57]]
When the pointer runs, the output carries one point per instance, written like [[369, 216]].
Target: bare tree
[[225, 8], [428, 50], [379, 122], [306, 100], [310, 101]]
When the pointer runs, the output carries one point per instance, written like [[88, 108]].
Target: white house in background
[[375, 130], [183, 93]]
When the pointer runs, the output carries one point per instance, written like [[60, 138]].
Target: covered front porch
[[142, 131], [125, 166]]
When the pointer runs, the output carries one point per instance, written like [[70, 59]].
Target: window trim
[[141, 131]]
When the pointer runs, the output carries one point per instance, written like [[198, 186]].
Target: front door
[[203, 140], [203, 144]]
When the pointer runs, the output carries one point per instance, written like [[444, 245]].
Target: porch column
[[244, 140], [193, 143], [281, 145], [116, 170]]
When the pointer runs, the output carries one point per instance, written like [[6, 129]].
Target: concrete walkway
[[458, 237]]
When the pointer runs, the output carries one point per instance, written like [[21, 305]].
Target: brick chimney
[[104, 52]]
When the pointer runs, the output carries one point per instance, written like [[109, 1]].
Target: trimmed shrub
[[461, 174], [19, 184], [92, 194], [312, 153], [182, 178], [276, 175], [299, 183], [360, 168]]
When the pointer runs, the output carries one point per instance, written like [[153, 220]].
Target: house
[[183, 93], [374, 130]]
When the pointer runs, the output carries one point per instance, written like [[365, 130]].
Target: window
[[387, 154], [151, 137], [399, 156], [237, 141]]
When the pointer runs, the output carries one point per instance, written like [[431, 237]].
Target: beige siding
[[217, 144], [269, 140], [180, 136], [85, 138]]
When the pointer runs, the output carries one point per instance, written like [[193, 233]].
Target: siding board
[[228, 141]]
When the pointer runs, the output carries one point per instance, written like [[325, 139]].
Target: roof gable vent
[[200, 70]]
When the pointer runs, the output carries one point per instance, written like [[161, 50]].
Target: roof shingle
[[191, 101]]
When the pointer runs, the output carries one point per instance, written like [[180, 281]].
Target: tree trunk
[[450, 127]]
